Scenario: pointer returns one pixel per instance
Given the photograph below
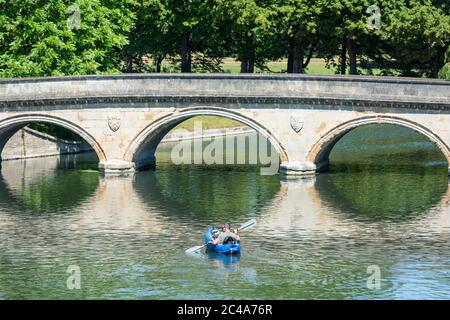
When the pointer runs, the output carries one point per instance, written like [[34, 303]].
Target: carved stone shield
[[296, 124], [114, 123]]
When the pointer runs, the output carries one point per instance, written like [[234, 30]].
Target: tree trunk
[[290, 62], [295, 55], [437, 63], [251, 59], [130, 63], [310, 55], [186, 54], [298, 65], [244, 65], [295, 62], [353, 56], [344, 55], [158, 63], [248, 58]]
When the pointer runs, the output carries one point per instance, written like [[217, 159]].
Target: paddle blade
[[194, 249], [248, 224]]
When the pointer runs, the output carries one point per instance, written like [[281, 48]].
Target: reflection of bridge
[[124, 117], [146, 205]]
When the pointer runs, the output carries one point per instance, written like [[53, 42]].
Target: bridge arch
[[320, 151], [142, 149], [11, 125]]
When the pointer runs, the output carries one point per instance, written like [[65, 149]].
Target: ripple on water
[[315, 238]]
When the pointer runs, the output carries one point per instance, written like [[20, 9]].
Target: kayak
[[229, 248]]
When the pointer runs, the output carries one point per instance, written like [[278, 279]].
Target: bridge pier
[[298, 168], [116, 167]]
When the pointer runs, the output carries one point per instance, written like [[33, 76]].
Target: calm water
[[384, 203]]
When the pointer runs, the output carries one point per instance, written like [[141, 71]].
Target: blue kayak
[[229, 248]]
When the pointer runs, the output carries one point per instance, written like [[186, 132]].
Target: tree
[[352, 31], [295, 23], [45, 38], [149, 36], [249, 31], [444, 73], [190, 29], [418, 36]]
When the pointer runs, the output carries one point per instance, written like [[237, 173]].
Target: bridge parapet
[[356, 91]]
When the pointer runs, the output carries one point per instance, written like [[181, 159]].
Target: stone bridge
[[124, 117]]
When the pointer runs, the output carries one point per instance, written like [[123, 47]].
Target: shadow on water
[[384, 172]]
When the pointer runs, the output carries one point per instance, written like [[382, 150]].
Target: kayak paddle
[[246, 225]]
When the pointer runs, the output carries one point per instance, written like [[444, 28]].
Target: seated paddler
[[226, 236]]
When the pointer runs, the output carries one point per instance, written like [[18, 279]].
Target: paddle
[[246, 225]]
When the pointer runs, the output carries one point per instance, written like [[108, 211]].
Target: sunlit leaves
[[419, 35], [37, 41]]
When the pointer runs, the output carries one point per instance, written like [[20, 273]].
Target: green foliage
[[36, 39], [417, 35], [295, 27], [444, 73], [180, 30]]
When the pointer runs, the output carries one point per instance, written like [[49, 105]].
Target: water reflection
[[382, 196], [386, 148], [199, 195], [315, 237], [384, 173], [39, 186]]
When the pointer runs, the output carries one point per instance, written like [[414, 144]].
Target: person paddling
[[226, 236]]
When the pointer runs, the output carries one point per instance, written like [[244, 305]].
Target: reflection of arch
[[358, 195], [180, 193], [11, 125], [321, 150], [41, 186], [143, 147]]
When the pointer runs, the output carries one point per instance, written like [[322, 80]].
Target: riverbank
[[180, 135], [29, 143]]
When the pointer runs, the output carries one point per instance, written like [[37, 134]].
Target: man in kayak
[[226, 236]]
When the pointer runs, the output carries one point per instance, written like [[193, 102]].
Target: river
[[385, 204]]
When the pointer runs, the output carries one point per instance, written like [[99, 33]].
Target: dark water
[[385, 203]]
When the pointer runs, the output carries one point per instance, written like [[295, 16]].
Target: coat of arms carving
[[296, 124], [114, 123]]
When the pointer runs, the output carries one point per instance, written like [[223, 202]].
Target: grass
[[316, 66], [208, 122]]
